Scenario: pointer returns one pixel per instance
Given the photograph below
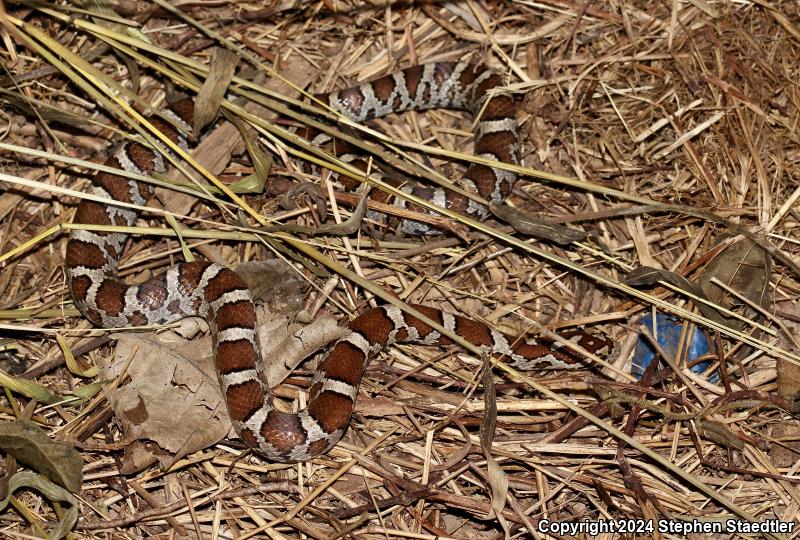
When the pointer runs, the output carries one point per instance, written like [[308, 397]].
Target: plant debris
[[654, 135]]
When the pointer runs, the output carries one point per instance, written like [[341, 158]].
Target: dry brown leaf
[[174, 378], [275, 283], [169, 401], [498, 480], [788, 373], [293, 343], [785, 453], [744, 267]]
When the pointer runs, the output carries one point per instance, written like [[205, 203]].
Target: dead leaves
[[742, 267], [738, 273], [170, 407], [50, 490], [31, 446], [57, 465], [170, 404]]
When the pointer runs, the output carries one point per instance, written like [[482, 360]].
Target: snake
[[217, 294]]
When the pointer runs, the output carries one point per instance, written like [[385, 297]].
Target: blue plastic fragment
[[668, 335]]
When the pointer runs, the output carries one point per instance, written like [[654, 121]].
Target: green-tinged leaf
[[72, 364], [211, 94], [53, 492], [262, 161], [138, 34], [187, 253], [88, 391], [33, 108], [27, 388], [248, 185], [30, 445]]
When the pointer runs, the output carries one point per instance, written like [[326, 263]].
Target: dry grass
[[687, 109]]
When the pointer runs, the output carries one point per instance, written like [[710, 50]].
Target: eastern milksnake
[[218, 294]]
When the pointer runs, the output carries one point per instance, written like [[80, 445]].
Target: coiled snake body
[[218, 294]]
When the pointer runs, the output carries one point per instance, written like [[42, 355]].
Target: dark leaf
[[744, 267], [525, 223], [30, 445]]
